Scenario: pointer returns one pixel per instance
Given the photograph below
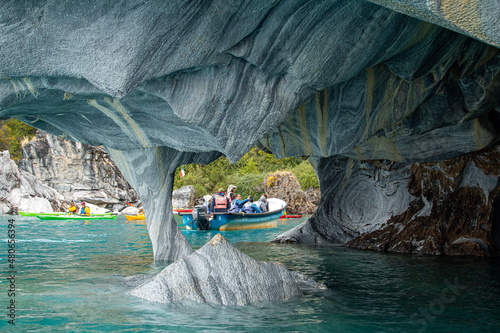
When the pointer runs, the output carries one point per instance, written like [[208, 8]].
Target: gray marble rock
[[220, 274], [356, 198], [151, 172], [160, 84], [183, 197]]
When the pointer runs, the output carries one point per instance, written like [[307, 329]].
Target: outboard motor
[[200, 217]]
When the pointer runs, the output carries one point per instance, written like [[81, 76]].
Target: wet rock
[[452, 211], [183, 197], [283, 185], [356, 198], [219, 274], [21, 191]]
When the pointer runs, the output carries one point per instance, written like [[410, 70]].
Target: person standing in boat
[[72, 208], [237, 204], [262, 203], [207, 202], [230, 193], [85, 210], [250, 207], [220, 203]]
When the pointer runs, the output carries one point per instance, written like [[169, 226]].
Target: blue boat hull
[[237, 221]]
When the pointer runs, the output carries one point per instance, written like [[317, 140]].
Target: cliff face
[[340, 81], [21, 191], [78, 171]]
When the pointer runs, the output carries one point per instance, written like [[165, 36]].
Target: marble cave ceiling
[[408, 80]]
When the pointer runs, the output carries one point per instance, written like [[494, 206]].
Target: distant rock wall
[[21, 191], [79, 172], [183, 197]]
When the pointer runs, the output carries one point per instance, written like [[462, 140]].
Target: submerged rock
[[21, 191], [220, 274]]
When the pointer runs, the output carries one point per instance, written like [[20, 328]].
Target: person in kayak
[[237, 204], [250, 207], [85, 210], [72, 208]]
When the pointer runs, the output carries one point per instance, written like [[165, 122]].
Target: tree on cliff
[[12, 134], [248, 173]]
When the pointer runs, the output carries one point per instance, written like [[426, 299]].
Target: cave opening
[[248, 173]]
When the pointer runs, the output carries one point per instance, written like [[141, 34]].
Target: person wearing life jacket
[[237, 204], [72, 208], [262, 203], [84, 210], [250, 207], [207, 202], [230, 193], [220, 203]]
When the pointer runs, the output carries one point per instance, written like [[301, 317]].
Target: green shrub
[[12, 134], [251, 184], [247, 174], [305, 175]]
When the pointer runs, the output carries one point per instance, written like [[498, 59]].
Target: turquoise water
[[70, 278]]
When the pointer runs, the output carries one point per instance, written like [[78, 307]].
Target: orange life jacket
[[220, 203]]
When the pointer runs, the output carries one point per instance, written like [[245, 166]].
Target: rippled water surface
[[70, 278]]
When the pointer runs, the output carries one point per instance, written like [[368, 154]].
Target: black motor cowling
[[200, 217]]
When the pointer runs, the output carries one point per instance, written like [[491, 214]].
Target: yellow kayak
[[135, 217]]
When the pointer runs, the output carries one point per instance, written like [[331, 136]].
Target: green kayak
[[55, 214], [77, 217]]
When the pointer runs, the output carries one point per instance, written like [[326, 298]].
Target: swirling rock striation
[[408, 81], [443, 208]]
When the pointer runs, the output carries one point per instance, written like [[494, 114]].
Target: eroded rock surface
[[445, 207], [402, 81], [452, 211], [220, 274], [151, 172]]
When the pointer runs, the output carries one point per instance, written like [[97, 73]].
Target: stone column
[[356, 198], [151, 172]]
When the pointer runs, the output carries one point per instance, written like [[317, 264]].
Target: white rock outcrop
[[21, 191], [219, 274]]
